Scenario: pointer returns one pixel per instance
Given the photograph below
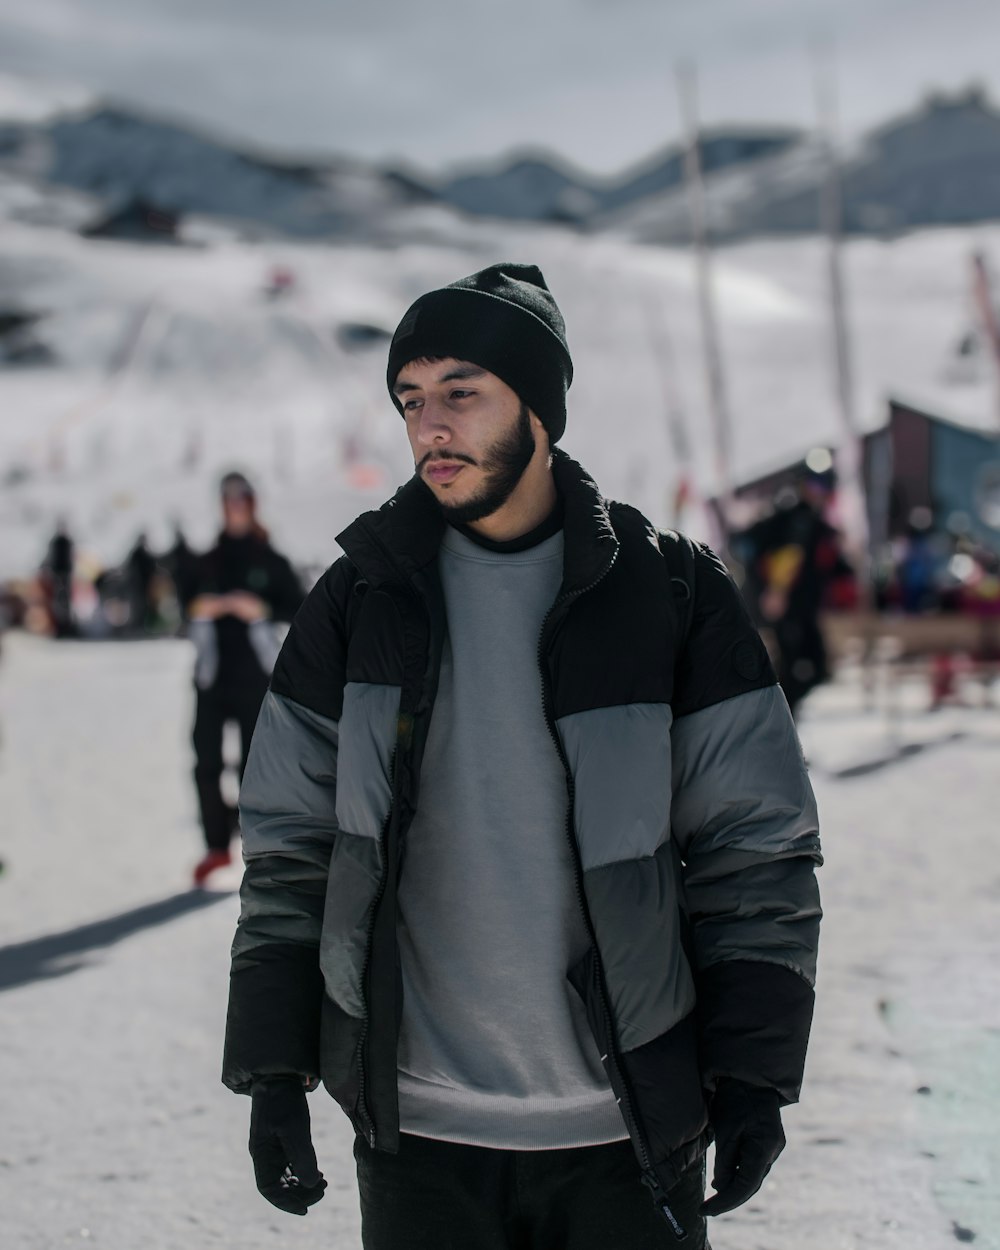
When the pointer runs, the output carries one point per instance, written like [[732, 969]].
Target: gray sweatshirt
[[495, 1049]]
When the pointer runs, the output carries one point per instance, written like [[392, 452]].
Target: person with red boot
[[236, 593]]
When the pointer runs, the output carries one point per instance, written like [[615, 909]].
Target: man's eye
[[411, 405], [460, 394]]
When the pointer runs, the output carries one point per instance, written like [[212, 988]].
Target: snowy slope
[[173, 366], [742, 199]]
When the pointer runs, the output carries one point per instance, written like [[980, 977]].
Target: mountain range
[[939, 164]]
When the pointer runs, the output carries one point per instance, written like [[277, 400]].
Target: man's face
[[237, 513], [472, 438]]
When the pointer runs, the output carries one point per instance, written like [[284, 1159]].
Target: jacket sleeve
[[289, 823], [745, 821]]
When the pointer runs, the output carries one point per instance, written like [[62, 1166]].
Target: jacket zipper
[[363, 1113], [649, 1177]]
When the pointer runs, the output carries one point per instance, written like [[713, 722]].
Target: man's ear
[[540, 432]]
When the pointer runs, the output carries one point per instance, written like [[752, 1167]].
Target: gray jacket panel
[[740, 779], [355, 874], [620, 761], [649, 981], [745, 821], [367, 741], [287, 815]]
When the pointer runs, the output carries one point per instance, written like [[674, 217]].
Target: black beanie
[[503, 319]]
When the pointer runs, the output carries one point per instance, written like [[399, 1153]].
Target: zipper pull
[[661, 1204]]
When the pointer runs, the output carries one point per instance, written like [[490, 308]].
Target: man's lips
[[443, 471]]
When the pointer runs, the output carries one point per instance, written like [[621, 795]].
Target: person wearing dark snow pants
[[57, 575], [529, 840], [234, 593]]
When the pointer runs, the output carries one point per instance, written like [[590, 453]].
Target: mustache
[[446, 456]]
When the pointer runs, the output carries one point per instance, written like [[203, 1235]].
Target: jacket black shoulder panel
[[377, 648], [723, 655], [615, 645], [311, 668]]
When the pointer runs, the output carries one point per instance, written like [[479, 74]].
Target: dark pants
[[62, 605], [438, 1195], [802, 663], [218, 704]]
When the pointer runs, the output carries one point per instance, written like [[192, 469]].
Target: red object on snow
[[209, 863]]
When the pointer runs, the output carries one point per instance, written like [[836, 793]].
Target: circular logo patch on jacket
[[748, 660]]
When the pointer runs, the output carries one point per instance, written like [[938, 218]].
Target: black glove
[[284, 1161], [748, 1139]]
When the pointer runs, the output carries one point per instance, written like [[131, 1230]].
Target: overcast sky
[[448, 81]]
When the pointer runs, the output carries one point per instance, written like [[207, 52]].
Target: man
[[529, 842], [234, 593]]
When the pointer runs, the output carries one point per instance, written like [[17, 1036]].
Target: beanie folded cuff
[[496, 334]]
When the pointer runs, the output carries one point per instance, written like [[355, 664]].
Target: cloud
[[453, 79], [27, 101]]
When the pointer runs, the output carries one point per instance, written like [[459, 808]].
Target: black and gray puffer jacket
[[689, 813]]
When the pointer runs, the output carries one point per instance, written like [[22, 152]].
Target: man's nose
[[434, 426]]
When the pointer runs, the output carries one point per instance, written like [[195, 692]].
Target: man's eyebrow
[[458, 374], [461, 372]]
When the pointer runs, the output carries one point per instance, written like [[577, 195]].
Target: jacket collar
[[402, 537], [399, 539], [591, 544]]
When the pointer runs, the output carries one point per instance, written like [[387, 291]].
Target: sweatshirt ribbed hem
[[502, 1122]]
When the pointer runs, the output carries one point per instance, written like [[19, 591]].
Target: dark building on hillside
[[920, 461], [20, 343], [137, 221], [915, 463]]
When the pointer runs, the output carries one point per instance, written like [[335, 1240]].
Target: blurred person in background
[[180, 561], [57, 581], [919, 563], [792, 558], [529, 841], [140, 571], [234, 594]]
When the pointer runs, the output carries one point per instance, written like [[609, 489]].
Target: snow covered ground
[[115, 1131]]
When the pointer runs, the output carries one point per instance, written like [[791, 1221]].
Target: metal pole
[[661, 349], [687, 89], [983, 291], [849, 466]]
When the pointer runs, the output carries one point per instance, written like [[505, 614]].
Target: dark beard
[[504, 465]]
